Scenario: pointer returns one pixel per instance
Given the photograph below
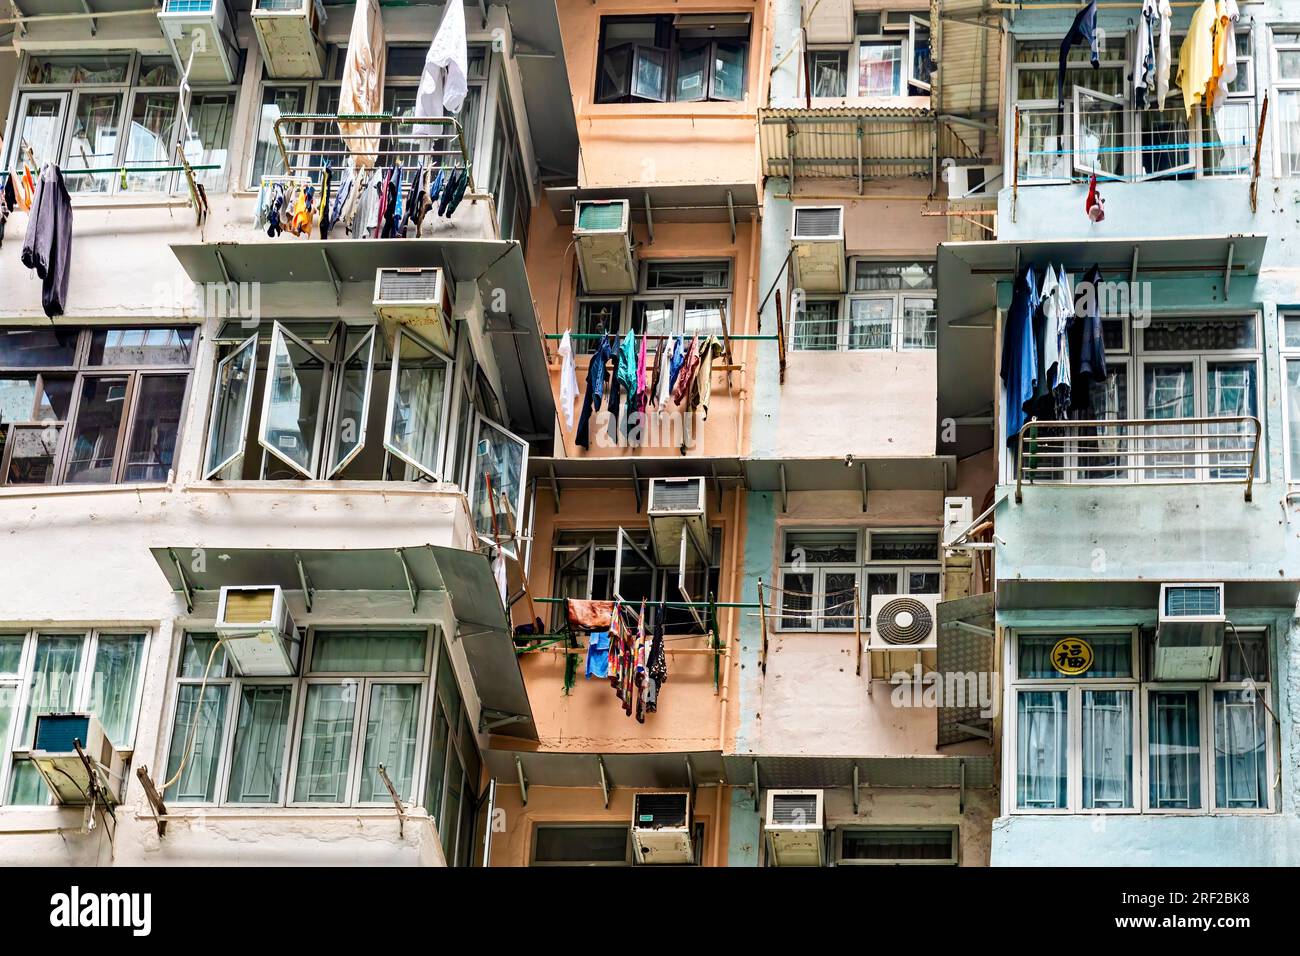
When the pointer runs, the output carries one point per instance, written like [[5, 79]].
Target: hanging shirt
[[627, 374], [443, 83], [1019, 354], [361, 90], [1061, 380], [598, 655], [686, 377], [675, 364], [1087, 343], [1196, 57], [47, 246], [1225, 53], [704, 378], [1083, 29], [663, 379], [1144, 55], [595, 388], [1163, 51], [568, 380]]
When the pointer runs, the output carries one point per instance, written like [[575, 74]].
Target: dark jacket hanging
[[1084, 28], [1019, 352], [47, 247], [595, 388], [1087, 342]]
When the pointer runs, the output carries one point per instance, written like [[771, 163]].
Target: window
[[1286, 81], [682, 297], [896, 846], [54, 671], [318, 740], [824, 571], [91, 406], [891, 306], [1291, 406], [681, 58], [1105, 741], [95, 114], [577, 845]]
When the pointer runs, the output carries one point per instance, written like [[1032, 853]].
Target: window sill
[[217, 812], [44, 819], [871, 102], [725, 109], [42, 491], [154, 201], [336, 487]]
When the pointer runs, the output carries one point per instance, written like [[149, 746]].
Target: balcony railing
[[1191, 450]]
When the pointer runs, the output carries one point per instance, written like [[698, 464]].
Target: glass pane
[[896, 845], [198, 779], [267, 160], [829, 73], [419, 392], [1042, 753], [703, 316], [692, 72], [889, 276], [391, 727], [363, 652], [450, 823], [99, 421], [158, 71], [38, 347], [32, 459], [498, 480], [152, 451], [448, 689], [296, 382], [1291, 333], [1174, 729], [614, 77], [8, 701], [838, 601], [196, 653], [11, 656], [1100, 148], [211, 116], [1107, 749], [816, 326], [918, 323], [151, 140], [40, 132], [595, 318], [233, 391], [651, 317], [1232, 394], [52, 686], [1228, 147], [119, 659], [1289, 128], [437, 765], [1240, 750], [922, 582], [797, 600], [728, 71], [1112, 655], [1245, 657], [78, 69], [575, 846], [17, 401], [880, 582], [650, 74], [1199, 334], [1044, 154], [257, 764], [96, 126], [352, 403], [26, 787], [140, 347], [880, 69], [668, 274], [1169, 392], [871, 323], [904, 546], [325, 750], [821, 547]]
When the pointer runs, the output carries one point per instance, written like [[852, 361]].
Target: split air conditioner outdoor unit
[[828, 21], [958, 513], [972, 182], [795, 828], [57, 761], [288, 31], [676, 503], [418, 299], [206, 29], [602, 230], [904, 622], [1189, 635], [257, 632], [661, 828], [817, 239]]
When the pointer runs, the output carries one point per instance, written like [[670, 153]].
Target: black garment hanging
[[595, 388], [1087, 342], [1084, 28], [47, 247], [656, 662]]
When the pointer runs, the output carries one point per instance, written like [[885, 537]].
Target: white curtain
[[390, 740]]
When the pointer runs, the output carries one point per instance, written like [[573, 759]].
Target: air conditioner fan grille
[[893, 626]]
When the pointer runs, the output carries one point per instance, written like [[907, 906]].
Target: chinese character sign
[[1072, 656]]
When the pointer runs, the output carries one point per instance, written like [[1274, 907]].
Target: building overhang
[[968, 274], [665, 202], [592, 770], [800, 771], [464, 577], [847, 142], [1039, 595], [495, 265]]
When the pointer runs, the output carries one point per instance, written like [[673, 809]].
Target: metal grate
[[794, 809], [680, 496], [904, 621], [189, 6], [658, 810], [601, 215], [817, 222], [409, 285], [1191, 602]]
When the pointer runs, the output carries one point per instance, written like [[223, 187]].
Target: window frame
[[628, 859], [901, 330], [840, 831], [669, 44], [1282, 89], [679, 297], [1287, 355]]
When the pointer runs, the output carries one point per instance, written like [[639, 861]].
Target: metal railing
[[1119, 451]]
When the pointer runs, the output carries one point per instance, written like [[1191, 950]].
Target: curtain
[[53, 684], [1042, 749], [118, 661], [1293, 411], [258, 762], [198, 781], [1240, 750], [390, 740], [1112, 656], [437, 764], [1231, 393], [1174, 732], [796, 600], [1170, 393], [326, 747], [363, 652], [1107, 749]]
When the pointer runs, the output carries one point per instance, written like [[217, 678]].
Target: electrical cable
[[194, 726]]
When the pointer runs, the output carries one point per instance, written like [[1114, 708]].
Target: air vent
[[655, 811], [818, 222], [793, 809], [904, 621], [1192, 601], [407, 284]]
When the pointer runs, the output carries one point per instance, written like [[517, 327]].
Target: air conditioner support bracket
[[857, 784], [649, 219], [489, 719], [155, 800], [961, 793], [410, 581], [186, 589], [605, 786], [636, 487], [523, 780], [863, 467], [333, 277], [555, 486], [308, 592], [755, 786], [96, 788], [784, 496], [731, 215], [690, 779]]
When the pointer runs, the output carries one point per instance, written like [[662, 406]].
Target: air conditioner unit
[[418, 299], [828, 21], [795, 828], [288, 31], [972, 182], [1189, 632], [674, 504], [205, 28], [817, 239], [602, 230], [958, 513], [661, 828], [904, 622], [257, 632], [56, 759]]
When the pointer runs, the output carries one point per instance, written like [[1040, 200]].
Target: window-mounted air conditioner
[[288, 31], [972, 182], [205, 29], [56, 759], [661, 828], [257, 632], [795, 828], [602, 231], [904, 622], [817, 241], [1189, 634], [828, 21], [418, 299], [675, 503]]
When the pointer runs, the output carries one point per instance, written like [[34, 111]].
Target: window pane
[[1231, 394], [326, 747], [52, 687], [896, 845], [158, 71], [257, 764], [8, 701], [32, 459], [918, 323], [703, 316], [297, 379], [437, 765], [1112, 655], [99, 421], [796, 600], [904, 546], [665, 275], [448, 688], [1245, 657], [96, 126], [360, 652], [119, 659], [196, 651], [140, 346], [26, 787], [650, 74], [450, 823], [1107, 749], [880, 69], [1293, 415], [419, 394], [728, 71], [838, 600], [11, 656], [211, 115], [499, 469], [152, 452], [267, 160], [351, 404], [77, 69], [1199, 334], [829, 73], [1229, 137], [1174, 729], [151, 140], [1042, 759], [390, 740], [880, 582], [597, 317], [922, 582], [38, 347], [692, 72], [580, 845], [232, 394], [614, 78], [1169, 391], [1289, 128], [198, 779], [1240, 750], [821, 547], [871, 323], [39, 131], [871, 276], [816, 326], [651, 317]]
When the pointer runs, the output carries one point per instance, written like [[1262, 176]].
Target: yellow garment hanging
[[1221, 53], [1196, 57]]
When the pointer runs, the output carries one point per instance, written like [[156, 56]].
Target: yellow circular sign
[[1072, 656]]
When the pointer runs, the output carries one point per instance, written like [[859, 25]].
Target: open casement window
[[634, 571], [1098, 134], [633, 70], [351, 404], [232, 403], [293, 405], [417, 404], [693, 574], [918, 67], [497, 486]]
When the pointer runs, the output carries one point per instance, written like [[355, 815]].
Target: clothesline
[[585, 336]]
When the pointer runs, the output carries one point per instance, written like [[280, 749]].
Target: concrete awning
[[668, 771], [920, 473], [464, 576], [665, 202], [495, 264], [1144, 596], [967, 278], [800, 771], [842, 142]]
